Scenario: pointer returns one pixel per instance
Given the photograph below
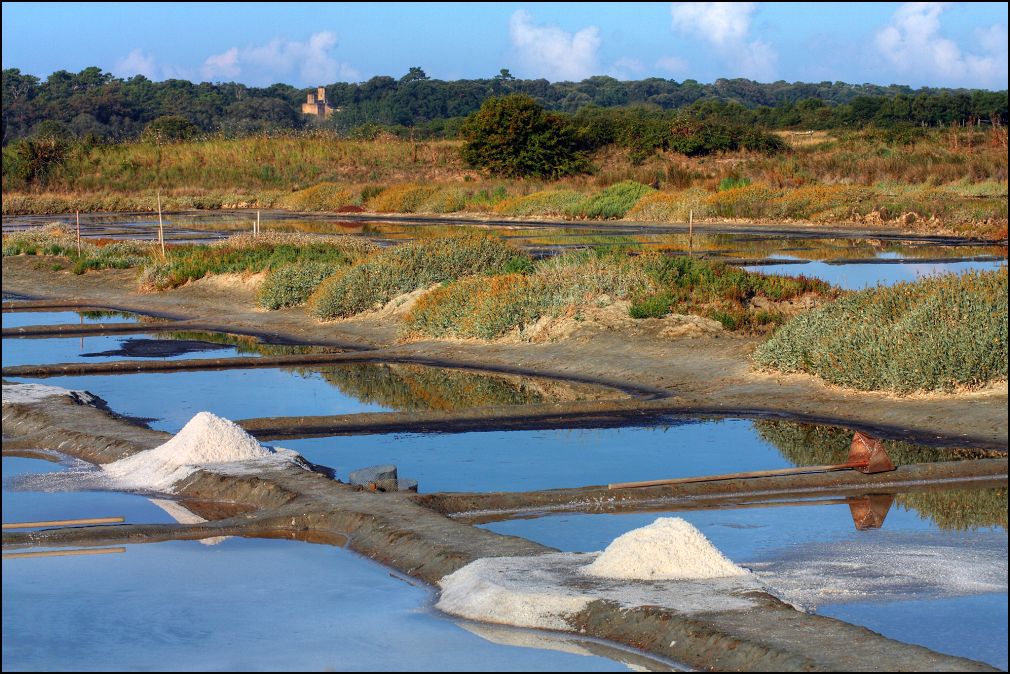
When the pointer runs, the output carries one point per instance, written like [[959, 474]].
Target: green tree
[[514, 136], [170, 128]]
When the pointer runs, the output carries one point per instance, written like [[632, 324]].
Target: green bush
[[938, 333], [409, 266], [292, 285], [514, 136], [614, 201]]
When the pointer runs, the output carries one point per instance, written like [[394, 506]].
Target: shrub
[[614, 201], [670, 207], [544, 203], [401, 198], [514, 136], [937, 333], [490, 307], [409, 266], [321, 197], [292, 285]]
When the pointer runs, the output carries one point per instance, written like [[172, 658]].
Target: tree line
[[96, 105]]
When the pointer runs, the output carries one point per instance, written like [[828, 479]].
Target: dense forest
[[97, 105]]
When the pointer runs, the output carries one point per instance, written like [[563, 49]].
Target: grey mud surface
[[703, 375]]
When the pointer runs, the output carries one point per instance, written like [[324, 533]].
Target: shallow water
[[105, 348], [17, 319], [860, 275], [241, 604], [854, 257], [530, 460], [173, 398]]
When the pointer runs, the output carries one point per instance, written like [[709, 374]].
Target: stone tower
[[315, 104]]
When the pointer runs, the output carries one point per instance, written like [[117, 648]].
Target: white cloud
[[280, 58], [626, 68], [726, 26], [548, 51], [135, 63], [672, 64], [913, 45], [721, 23], [222, 66]]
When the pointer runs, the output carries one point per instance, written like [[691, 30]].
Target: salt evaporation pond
[[847, 262], [18, 319], [171, 399], [239, 604], [547, 459], [861, 275], [105, 348], [886, 579]]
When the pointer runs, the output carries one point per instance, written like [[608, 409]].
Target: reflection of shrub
[[961, 509], [410, 266], [290, 286], [934, 334]]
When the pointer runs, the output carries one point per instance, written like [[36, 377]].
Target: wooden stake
[[63, 553], [257, 223], [64, 523], [690, 233], [78, 234], [161, 227], [737, 476]]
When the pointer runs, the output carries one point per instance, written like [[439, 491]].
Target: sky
[[935, 44]]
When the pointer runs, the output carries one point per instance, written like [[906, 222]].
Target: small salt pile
[[207, 440], [668, 549]]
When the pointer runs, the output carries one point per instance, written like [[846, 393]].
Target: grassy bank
[[947, 180], [940, 333]]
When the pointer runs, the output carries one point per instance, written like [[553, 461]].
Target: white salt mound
[[207, 440], [668, 549], [668, 563], [33, 393]]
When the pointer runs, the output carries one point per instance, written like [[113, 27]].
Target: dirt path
[[712, 373]]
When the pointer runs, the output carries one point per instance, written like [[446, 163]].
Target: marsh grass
[[940, 333], [246, 254], [416, 264]]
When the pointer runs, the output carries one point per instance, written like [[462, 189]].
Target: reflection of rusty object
[[866, 454], [868, 512]]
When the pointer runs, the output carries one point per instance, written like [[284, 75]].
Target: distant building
[[315, 104]]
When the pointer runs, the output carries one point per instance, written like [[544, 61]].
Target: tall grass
[[410, 266], [936, 334], [246, 254]]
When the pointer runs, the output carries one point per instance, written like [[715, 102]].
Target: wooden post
[[76, 552], [257, 223], [690, 233], [63, 523], [78, 234], [161, 227]]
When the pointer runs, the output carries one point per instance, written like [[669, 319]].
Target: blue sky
[[920, 44]]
